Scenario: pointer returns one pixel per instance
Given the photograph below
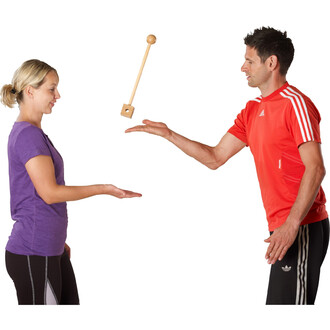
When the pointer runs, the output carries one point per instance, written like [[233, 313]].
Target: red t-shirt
[[274, 127]]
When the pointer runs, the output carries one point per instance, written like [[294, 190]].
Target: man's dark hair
[[268, 41]]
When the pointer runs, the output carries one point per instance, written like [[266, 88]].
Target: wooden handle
[[151, 39]]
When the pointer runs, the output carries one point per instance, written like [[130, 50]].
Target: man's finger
[[267, 240], [153, 123], [270, 250], [275, 255], [139, 128], [283, 253]]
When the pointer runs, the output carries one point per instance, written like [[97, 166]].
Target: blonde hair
[[30, 73]]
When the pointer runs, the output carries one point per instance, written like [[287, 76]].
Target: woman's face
[[46, 95]]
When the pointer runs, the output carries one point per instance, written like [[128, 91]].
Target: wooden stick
[[140, 73], [128, 109]]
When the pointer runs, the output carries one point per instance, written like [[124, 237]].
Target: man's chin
[[251, 84]]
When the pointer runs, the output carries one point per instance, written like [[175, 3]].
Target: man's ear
[[273, 63]]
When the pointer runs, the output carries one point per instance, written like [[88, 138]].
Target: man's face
[[257, 72]]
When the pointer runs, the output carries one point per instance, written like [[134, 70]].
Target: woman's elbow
[[48, 199], [48, 196]]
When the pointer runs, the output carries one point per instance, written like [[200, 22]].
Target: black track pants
[[295, 279], [43, 280]]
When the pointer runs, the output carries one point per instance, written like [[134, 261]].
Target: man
[[281, 127]]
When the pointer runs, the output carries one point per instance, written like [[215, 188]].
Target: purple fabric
[[39, 229]]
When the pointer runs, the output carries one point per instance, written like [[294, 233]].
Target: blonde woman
[[37, 258]]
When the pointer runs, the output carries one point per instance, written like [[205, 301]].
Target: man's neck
[[271, 86]]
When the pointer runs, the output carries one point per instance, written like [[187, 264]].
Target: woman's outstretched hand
[[112, 190]]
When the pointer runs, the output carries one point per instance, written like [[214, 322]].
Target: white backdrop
[[189, 254]]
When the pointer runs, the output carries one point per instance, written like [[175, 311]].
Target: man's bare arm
[[212, 157]]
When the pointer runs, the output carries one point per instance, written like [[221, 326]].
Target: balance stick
[[127, 110]]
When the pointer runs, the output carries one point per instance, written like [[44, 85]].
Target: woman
[[37, 257]]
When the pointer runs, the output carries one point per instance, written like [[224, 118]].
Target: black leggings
[[43, 280], [294, 280]]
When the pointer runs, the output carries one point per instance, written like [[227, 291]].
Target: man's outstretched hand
[[151, 127]]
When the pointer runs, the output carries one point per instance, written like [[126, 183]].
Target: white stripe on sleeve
[[305, 111], [297, 114]]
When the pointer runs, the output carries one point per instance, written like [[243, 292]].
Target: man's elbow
[[215, 165], [212, 167], [322, 172], [319, 172], [217, 159]]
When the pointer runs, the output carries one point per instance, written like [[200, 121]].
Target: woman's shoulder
[[27, 141], [25, 130], [24, 134]]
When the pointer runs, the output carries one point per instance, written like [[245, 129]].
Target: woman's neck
[[27, 114]]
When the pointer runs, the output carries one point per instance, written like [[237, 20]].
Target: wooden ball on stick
[[151, 39], [128, 109]]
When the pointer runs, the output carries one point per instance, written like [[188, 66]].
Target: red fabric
[[274, 127]]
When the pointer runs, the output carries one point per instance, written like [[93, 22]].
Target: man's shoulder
[[297, 99], [253, 103], [293, 92], [255, 100]]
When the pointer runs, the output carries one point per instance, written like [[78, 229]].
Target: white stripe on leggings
[[303, 246], [49, 294]]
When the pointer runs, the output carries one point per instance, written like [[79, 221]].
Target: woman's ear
[[29, 92]]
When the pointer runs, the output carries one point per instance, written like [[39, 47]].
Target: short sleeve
[[30, 143], [239, 128], [304, 121]]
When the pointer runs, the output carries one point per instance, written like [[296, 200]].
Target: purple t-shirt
[[39, 229]]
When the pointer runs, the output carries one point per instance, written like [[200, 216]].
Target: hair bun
[[8, 95]]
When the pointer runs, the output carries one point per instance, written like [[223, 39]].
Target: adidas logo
[[286, 268], [262, 113]]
